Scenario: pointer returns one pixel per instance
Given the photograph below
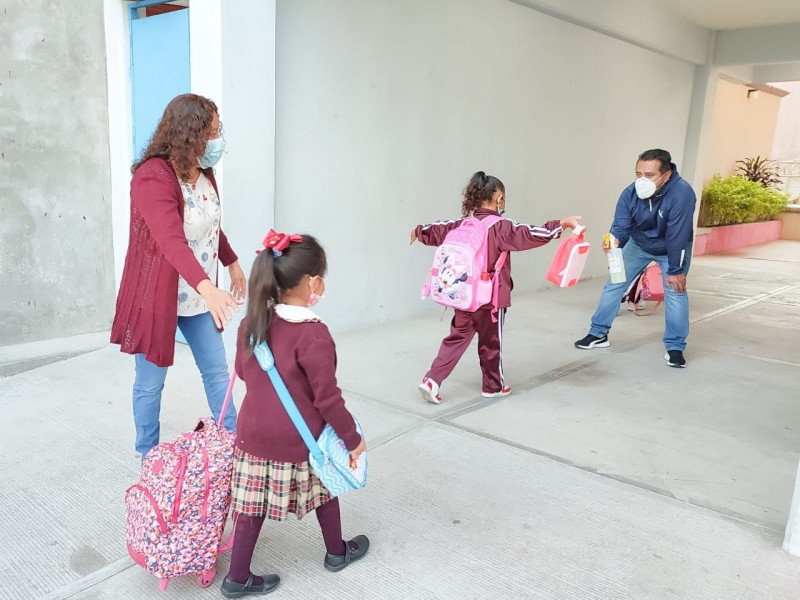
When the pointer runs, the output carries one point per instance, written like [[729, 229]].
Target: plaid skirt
[[275, 489]]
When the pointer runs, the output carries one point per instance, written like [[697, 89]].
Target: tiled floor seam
[[91, 580]]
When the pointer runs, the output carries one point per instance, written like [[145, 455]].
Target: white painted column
[[248, 80], [205, 52], [791, 542], [115, 14], [205, 48], [698, 130], [205, 56], [232, 46]]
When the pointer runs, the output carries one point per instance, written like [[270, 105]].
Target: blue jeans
[[208, 350], [676, 305]]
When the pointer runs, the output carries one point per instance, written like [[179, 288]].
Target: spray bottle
[[616, 266]]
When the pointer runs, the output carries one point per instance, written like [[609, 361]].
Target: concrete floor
[[604, 475]]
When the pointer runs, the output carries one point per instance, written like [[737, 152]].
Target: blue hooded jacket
[[662, 224]]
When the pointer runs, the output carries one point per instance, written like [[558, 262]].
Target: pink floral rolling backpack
[[176, 513]]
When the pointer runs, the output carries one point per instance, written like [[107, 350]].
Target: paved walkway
[[605, 475]]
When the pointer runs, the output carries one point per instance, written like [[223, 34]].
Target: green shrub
[[735, 200]]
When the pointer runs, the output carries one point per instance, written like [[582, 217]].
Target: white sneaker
[[504, 392], [430, 390], [641, 305]]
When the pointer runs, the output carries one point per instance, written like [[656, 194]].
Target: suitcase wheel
[[207, 578]]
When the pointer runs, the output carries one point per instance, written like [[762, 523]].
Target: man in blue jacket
[[654, 221]]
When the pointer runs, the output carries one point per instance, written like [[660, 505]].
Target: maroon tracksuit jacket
[[505, 235]]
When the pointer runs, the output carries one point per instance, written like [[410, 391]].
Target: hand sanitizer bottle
[[616, 266]]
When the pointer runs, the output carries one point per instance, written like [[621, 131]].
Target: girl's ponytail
[[301, 256], [480, 189], [262, 297]]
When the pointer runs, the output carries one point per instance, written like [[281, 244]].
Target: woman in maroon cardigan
[[170, 274]]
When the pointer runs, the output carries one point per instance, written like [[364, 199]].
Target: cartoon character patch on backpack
[[459, 277], [452, 279]]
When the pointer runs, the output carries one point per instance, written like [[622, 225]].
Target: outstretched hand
[[413, 236], [570, 222], [219, 302]]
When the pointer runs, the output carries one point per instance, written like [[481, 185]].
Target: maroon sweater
[[147, 304], [505, 235], [305, 357]]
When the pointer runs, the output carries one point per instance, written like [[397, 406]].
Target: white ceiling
[[737, 14]]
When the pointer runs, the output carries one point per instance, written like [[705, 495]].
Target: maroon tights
[[248, 528]]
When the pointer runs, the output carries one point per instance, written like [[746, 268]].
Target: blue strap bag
[[327, 455]]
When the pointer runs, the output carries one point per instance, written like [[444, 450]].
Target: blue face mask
[[214, 150]]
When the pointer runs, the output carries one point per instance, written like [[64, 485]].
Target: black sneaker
[[675, 359], [353, 550], [231, 589], [592, 341]]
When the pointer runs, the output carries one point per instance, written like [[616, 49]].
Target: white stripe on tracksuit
[[424, 227], [538, 231], [501, 317]]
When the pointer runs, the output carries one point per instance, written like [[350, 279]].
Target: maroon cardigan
[[305, 357], [147, 304], [506, 235]]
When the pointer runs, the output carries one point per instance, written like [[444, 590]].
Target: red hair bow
[[278, 242]]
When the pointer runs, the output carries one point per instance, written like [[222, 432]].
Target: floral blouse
[[201, 219]]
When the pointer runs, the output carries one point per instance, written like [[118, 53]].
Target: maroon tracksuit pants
[[490, 347]]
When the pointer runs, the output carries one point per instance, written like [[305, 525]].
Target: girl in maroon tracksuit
[[271, 474], [484, 195]]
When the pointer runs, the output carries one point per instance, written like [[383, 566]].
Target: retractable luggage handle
[[227, 545], [228, 396]]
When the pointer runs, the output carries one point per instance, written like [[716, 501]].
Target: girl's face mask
[[501, 204], [315, 297]]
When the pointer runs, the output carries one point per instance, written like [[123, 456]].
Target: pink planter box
[[731, 237]]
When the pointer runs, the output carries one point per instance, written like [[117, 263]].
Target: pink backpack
[[459, 277], [176, 513], [653, 284], [648, 286]]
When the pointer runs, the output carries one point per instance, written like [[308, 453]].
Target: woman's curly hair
[[480, 189], [182, 133]]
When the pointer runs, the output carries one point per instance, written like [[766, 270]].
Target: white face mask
[[646, 188]]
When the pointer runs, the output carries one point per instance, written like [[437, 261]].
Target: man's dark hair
[[662, 156]]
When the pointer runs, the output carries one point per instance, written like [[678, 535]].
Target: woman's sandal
[[231, 589], [337, 563]]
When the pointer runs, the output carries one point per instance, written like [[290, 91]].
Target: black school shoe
[[337, 563], [231, 589], [675, 359]]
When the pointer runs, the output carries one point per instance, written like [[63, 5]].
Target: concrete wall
[[56, 261], [384, 109], [742, 127], [787, 129], [791, 224]]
